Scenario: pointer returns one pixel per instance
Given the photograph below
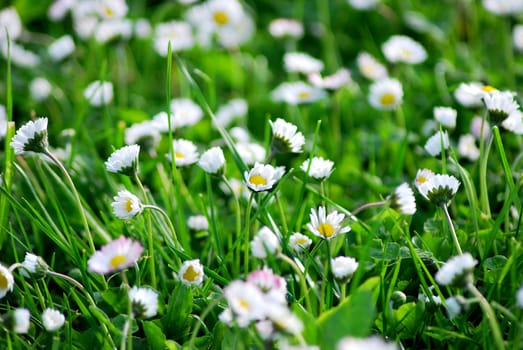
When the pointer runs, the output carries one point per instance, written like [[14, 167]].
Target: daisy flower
[[264, 242], [124, 160], [519, 297], [501, 105], [126, 205], [144, 302], [52, 319], [111, 9], [198, 223], [31, 137], [144, 134], [467, 94], [517, 37], [299, 62], [319, 169], [185, 112], [400, 48], [457, 271], [297, 92], [35, 265], [185, 153], [251, 152], [18, 320], [213, 161], [467, 147], [373, 342], [422, 176], [436, 143], [191, 273], [40, 89], [446, 116], [178, 33], [274, 287], [402, 199], [6, 281], [335, 81], [386, 94], [233, 109], [262, 177], [343, 268], [514, 122], [116, 255], [326, 226], [285, 27], [286, 137], [503, 8], [99, 93], [61, 48], [363, 4], [299, 242], [246, 302], [439, 189], [283, 319], [370, 68], [11, 23], [455, 305]]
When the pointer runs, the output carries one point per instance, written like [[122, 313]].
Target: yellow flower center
[[406, 53], [117, 260], [190, 274], [3, 282], [387, 99], [326, 230], [304, 94], [129, 206], [488, 88], [108, 11], [244, 304], [422, 179], [301, 241], [258, 180], [179, 155], [221, 18]]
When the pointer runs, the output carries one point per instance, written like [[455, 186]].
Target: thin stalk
[[217, 241], [174, 237], [484, 151], [76, 197], [246, 237], [323, 302], [489, 313], [302, 280], [504, 162], [451, 227], [237, 208], [204, 314], [367, 206], [343, 291], [150, 240], [282, 214]]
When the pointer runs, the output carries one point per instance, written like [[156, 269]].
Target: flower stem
[[174, 239], [217, 241], [301, 276], [367, 206], [483, 186], [451, 227], [238, 211], [76, 196], [489, 313]]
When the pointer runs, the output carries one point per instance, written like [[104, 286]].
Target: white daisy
[[299, 242], [185, 153], [126, 205], [299, 62], [500, 104], [514, 122], [467, 94], [99, 93], [297, 92], [285, 27], [436, 143], [517, 37], [52, 319], [212, 161], [191, 273], [112, 9], [457, 271], [422, 176], [286, 137], [198, 223], [59, 9], [343, 268], [274, 287], [363, 4], [439, 189], [116, 255], [21, 320], [386, 94], [250, 152], [519, 297], [455, 306], [142, 28], [373, 342], [283, 319], [235, 108], [144, 134], [503, 8], [467, 147], [262, 177], [35, 265], [326, 226], [185, 112], [341, 78], [40, 89], [246, 302], [124, 160], [400, 48], [403, 200], [31, 137], [264, 242], [11, 23], [446, 116], [113, 29], [370, 68], [19, 55], [6, 281], [319, 168], [144, 302]]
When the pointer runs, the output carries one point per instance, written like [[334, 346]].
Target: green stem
[[245, 237], [282, 215], [367, 206], [237, 208], [451, 227], [302, 280], [150, 240], [343, 290], [504, 162], [174, 239], [217, 241], [483, 186]]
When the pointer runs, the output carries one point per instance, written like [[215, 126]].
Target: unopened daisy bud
[[124, 160], [437, 142], [457, 271], [126, 205], [286, 137], [519, 297], [198, 223], [52, 319], [299, 242], [35, 265], [213, 161], [402, 199], [31, 137], [343, 268], [144, 302], [455, 306], [191, 273], [264, 242], [319, 168], [6, 281], [439, 189], [17, 320]]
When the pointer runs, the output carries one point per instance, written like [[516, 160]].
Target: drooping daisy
[[363, 4], [326, 226], [116, 255], [124, 160], [264, 242], [386, 94], [370, 68], [191, 273], [401, 48], [439, 189], [467, 147], [246, 302], [446, 116], [319, 169], [185, 112], [273, 286], [403, 200], [212, 161], [343, 268], [457, 271], [126, 205], [286, 137], [40, 89], [299, 62], [286, 27], [61, 48], [198, 223], [52, 319], [144, 302], [262, 177], [297, 92], [500, 104], [299, 242], [185, 153], [437, 142], [373, 342], [99, 93], [335, 81], [6, 281], [31, 137], [35, 265]]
